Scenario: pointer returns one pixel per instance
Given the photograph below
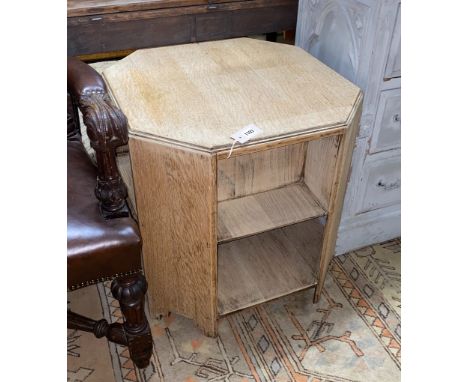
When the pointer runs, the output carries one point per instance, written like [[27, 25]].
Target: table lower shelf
[[269, 265]]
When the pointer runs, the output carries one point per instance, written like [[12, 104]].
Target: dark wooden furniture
[[100, 27], [103, 240]]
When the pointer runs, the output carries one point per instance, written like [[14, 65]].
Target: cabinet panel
[[334, 31], [387, 129], [381, 182], [393, 66]]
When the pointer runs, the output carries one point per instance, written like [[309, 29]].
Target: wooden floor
[[267, 210], [269, 265]]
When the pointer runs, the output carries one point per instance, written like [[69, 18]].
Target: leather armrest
[[82, 79]]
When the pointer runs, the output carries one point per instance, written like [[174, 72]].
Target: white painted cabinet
[[360, 39], [393, 66], [386, 132]]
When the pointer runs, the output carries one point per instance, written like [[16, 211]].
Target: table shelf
[[269, 265], [265, 211]]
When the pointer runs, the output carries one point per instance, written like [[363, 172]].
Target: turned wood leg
[[113, 332], [130, 292]]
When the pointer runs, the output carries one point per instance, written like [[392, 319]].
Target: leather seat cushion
[[97, 248]]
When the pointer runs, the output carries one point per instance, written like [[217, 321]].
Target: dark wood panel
[[99, 7], [245, 22], [268, 19], [89, 35], [100, 37], [213, 26]]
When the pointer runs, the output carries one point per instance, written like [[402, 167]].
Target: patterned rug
[[352, 334]]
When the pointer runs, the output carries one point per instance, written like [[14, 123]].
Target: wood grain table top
[[198, 94]]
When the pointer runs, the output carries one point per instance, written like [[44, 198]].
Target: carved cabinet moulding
[[323, 22]]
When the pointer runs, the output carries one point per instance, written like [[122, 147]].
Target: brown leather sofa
[[103, 239]]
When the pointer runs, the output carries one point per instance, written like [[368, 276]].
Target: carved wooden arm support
[[106, 128]]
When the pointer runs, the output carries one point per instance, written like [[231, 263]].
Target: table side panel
[[176, 201], [320, 164], [343, 164], [125, 169]]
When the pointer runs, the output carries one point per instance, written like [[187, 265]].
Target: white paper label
[[247, 133]]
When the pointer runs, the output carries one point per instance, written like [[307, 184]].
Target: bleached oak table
[[224, 233]]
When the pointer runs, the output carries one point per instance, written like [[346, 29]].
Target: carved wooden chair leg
[[130, 292]]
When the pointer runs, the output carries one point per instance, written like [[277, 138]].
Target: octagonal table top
[[199, 94]]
